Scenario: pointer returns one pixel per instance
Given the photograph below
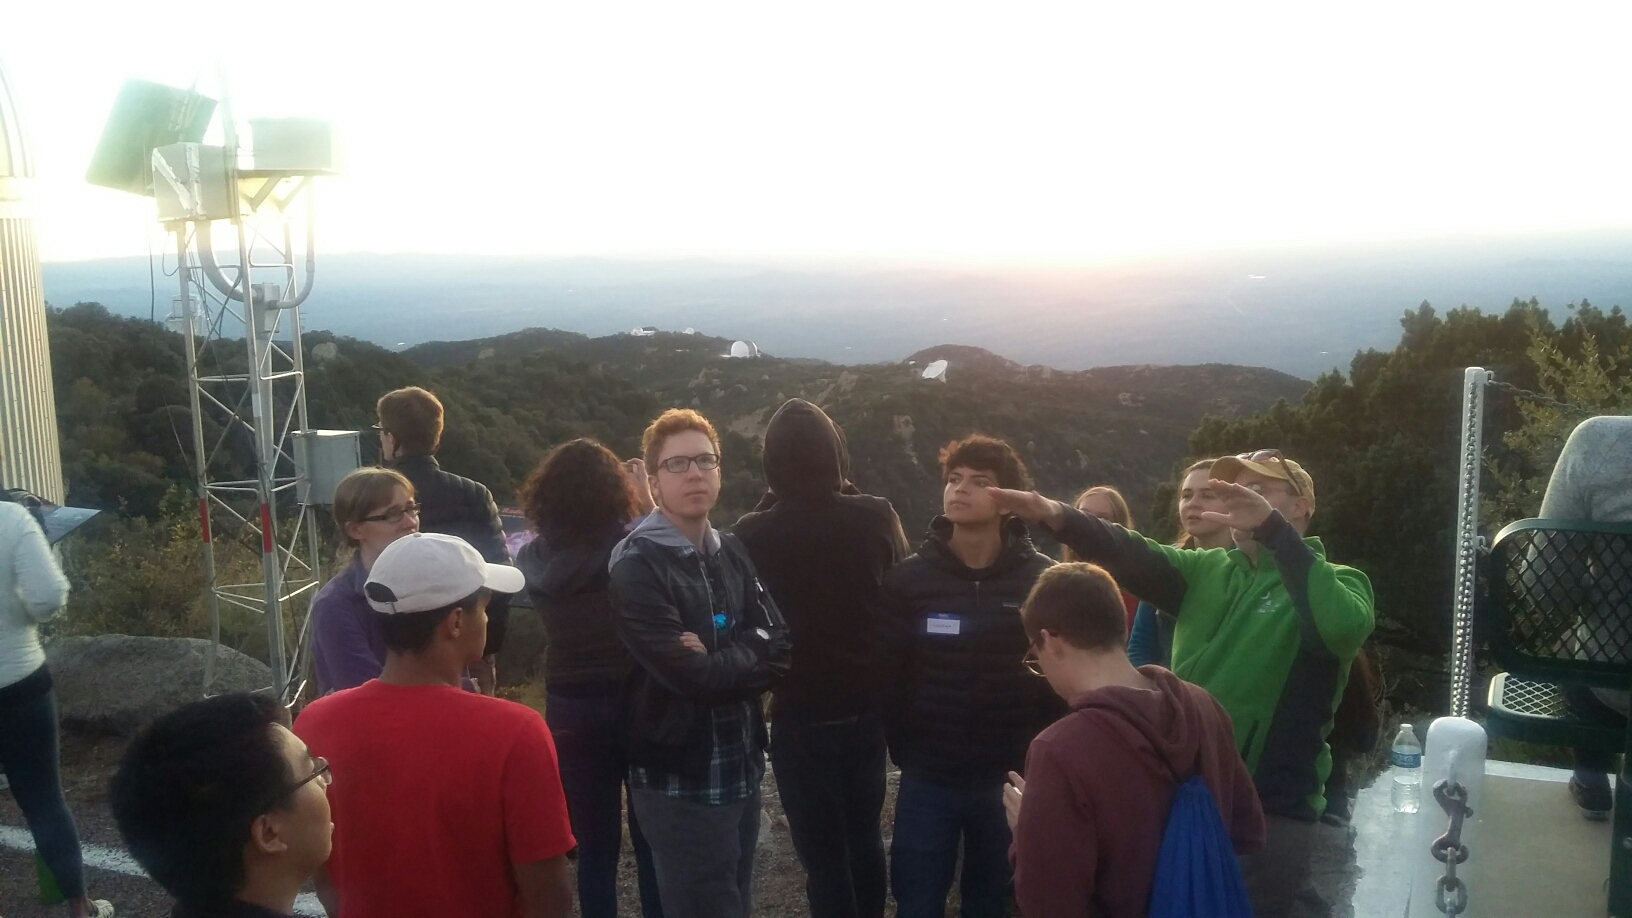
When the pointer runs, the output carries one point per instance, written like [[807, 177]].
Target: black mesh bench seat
[[1538, 712]]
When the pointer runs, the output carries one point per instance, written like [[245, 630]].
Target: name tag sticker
[[943, 623]]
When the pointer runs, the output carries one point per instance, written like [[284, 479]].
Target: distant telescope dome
[[325, 352], [936, 370], [645, 331], [689, 331], [741, 349]]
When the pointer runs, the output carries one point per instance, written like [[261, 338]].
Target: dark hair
[[414, 416], [189, 787], [669, 423], [579, 489], [412, 632], [1081, 603], [986, 454]]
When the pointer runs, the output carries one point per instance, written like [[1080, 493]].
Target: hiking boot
[[1595, 800]]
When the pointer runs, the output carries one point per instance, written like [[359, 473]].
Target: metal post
[[201, 459], [1474, 380]]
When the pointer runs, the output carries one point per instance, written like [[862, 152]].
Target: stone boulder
[[116, 683]]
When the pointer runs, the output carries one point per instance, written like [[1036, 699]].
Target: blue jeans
[[594, 770], [29, 755], [831, 779], [930, 822]]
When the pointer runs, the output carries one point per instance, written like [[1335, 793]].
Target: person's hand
[[692, 642], [635, 470], [1244, 508], [1013, 793], [1029, 506]]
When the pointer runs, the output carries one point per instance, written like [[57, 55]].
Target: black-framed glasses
[[395, 514], [1274, 455], [1033, 663], [677, 465]]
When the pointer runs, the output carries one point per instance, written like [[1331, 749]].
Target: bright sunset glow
[[995, 131]]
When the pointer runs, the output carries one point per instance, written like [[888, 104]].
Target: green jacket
[[1272, 641]]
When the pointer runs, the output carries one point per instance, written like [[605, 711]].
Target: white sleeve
[[40, 583]]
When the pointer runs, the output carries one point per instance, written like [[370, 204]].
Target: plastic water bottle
[[1406, 758]]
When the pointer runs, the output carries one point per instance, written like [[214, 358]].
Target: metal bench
[[1559, 601]]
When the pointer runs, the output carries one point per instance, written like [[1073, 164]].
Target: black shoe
[[1595, 800]]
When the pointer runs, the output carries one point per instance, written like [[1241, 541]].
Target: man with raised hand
[[1269, 627], [708, 642], [446, 802]]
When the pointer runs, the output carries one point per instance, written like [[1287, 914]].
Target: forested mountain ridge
[[121, 388]]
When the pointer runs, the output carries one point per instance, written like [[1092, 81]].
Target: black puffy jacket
[[962, 706], [663, 586], [455, 505]]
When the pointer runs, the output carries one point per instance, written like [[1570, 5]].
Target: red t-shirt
[[436, 792]]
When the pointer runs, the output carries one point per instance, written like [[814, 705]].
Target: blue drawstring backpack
[[1197, 875]]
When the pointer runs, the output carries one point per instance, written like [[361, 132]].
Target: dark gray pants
[[704, 854], [1279, 872]]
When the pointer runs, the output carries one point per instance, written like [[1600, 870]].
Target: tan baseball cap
[[1270, 464]]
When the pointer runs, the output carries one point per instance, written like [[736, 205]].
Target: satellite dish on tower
[[741, 349], [936, 370]]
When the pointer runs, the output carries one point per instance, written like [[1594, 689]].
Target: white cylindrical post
[[1454, 750]]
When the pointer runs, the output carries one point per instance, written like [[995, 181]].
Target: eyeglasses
[[320, 774], [1033, 663], [395, 514], [1274, 455], [677, 465]]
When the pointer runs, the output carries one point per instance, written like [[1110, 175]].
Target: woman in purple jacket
[[372, 508]]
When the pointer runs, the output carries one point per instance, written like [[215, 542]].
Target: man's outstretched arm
[[1149, 570]]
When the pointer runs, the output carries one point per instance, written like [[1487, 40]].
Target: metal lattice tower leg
[[260, 403], [1471, 462]]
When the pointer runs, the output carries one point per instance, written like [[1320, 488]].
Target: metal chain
[[1540, 399], [1451, 894], [1467, 536]]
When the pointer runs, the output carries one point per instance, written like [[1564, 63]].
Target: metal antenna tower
[[241, 326]]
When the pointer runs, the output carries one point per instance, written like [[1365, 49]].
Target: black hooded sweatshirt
[[821, 549], [568, 580]]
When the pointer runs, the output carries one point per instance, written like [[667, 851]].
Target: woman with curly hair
[[581, 499]]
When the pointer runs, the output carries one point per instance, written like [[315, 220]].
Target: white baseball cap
[[428, 570]]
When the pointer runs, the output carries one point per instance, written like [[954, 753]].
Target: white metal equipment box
[[191, 181], [322, 458]]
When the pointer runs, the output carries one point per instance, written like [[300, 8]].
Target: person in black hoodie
[[581, 500], [708, 642], [410, 425], [822, 550], [960, 705]]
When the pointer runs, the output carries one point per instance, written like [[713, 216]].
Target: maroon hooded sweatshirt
[[1099, 783]]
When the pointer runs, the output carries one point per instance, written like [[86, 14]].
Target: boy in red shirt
[[1100, 781], [446, 803]]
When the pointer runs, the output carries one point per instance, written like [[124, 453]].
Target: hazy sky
[[990, 131]]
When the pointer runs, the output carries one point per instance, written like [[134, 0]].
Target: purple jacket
[[347, 649]]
